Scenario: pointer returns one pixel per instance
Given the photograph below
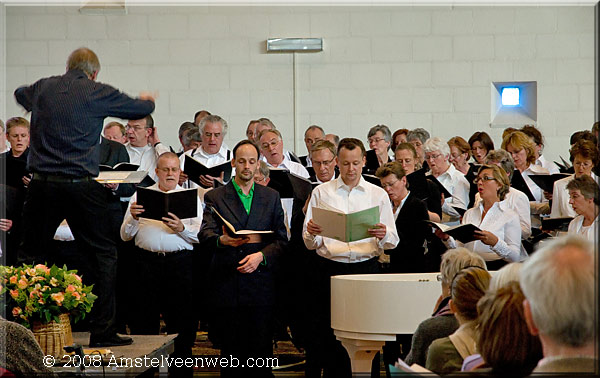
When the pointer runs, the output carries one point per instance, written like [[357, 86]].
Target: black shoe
[[111, 340]]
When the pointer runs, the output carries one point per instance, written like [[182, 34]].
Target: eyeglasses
[[384, 185], [432, 157], [375, 140], [272, 143], [167, 170], [484, 178], [324, 162], [137, 128]]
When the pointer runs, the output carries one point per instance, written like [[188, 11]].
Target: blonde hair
[[519, 141]]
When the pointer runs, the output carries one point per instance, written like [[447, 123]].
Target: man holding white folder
[[347, 193]]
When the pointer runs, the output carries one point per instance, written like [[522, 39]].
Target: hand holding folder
[[252, 236], [347, 227]]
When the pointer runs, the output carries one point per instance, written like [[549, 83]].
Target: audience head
[[579, 135], [508, 273], [406, 154], [313, 134], [535, 135], [502, 159], [322, 155], [521, 149], [351, 160], [503, 339], [467, 287], [492, 183], [460, 153], [393, 181], [437, 154], [583, 194], [480, 143], [85, 60], [245, 161], [559, 284], [398, 137], [453, 261], [116, 132], [333, 139], [199, 115], [139, 130], [167, 170], [213, 130], [271, 146], [584, 156], [251, 132], [380, 139], [17, 134], [417, 138], [507, 131], [261, 176]]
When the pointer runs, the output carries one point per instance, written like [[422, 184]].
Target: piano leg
[[361, 353]]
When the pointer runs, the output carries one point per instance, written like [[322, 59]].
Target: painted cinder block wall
[[402, 66]]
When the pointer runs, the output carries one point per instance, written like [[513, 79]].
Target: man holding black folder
[[347, 193], [242, 269], [164, 263]]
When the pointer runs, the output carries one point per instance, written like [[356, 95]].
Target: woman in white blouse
[[499, 240], [584, 156], [583, 192], [522, 151]]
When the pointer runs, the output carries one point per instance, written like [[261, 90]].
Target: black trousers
[[82, 202], [245, 332], [323, 350], [163, 285]]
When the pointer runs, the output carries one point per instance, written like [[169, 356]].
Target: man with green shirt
[[241, 273]]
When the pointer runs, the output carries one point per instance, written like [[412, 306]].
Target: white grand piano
[[369, 309]]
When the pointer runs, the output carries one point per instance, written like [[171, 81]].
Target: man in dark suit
[[67, 113], [241, 275]]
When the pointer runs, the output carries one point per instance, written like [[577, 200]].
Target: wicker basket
[[53, 336]]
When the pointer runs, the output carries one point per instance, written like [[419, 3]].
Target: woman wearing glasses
[[499, 240], [380, 140]]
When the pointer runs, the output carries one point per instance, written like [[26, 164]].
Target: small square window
[[510, 96]]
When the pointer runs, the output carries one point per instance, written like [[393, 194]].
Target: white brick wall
[[403, 66]]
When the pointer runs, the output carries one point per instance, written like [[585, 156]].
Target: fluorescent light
[[295, 44], [510, 96]]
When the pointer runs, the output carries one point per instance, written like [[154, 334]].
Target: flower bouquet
[[44, 299]]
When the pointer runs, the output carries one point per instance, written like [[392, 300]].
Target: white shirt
[[208, 160], [502, 222], [153, 235], [549, 165], [397, 212], [560, 198], [588, 232], [146, 157], [338, 195], [517, 201], [295, 168], [455, 182]]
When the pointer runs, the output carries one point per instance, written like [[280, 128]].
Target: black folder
[[15, 170], [546, 182], [123, 166], [560, 224], [518, 182], [194, 169], [157, 204], [417, 182], [288, 184], [372, 179], [464, 232]]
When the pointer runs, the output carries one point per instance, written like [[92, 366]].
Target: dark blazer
[[470, 176], [303, 160], [112, 153], [408, 256], [228, 287]]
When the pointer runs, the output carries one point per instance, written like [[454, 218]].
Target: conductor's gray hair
[[213, 118], [559, 284]]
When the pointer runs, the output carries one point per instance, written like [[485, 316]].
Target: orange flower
[[71, 289], [13, 279], [16, 311], [14, 293], [58, 298], [22, 284], [76, 295]]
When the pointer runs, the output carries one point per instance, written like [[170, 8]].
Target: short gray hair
[[263, 168], [456, 259], [559, 283], [314, 127], [436, 144], [83, 59], [387, 134], [503, 158], [418, 133], [508, 273], [213, 118]]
